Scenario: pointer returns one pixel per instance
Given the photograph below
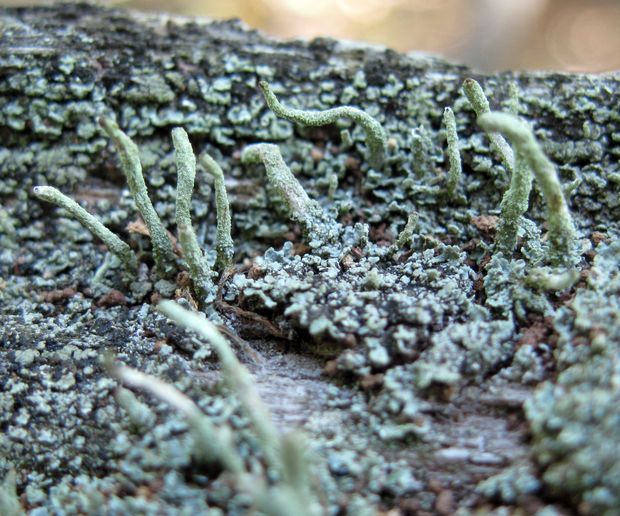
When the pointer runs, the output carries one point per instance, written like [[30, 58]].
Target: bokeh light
[[488, 35]]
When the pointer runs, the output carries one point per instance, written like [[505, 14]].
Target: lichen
[[375, 134], [562, 233], [574, 420], [432, 344]]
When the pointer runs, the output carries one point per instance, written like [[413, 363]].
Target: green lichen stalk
[[300, 207], [163, 253], [375, 135], [236, 376], [514, 204], [405, 237], [454, 155], [478, 100], [140, 415], [293, 495], [116, 246], [223, 241], [199, 270], [211, 445], [421, 151], [562, 232], [9, 501]]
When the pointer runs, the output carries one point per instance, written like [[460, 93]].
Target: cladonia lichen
[[454, 155], [165, 260], [116, 246], [132, 168], [199, 269], [284, 455], [562, 232], [375, 135], [479, 102], [223, 244], [425, 308]]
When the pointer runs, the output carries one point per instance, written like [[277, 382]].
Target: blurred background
[[488, 35]]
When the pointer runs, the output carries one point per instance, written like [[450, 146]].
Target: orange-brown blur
[[489, 35]]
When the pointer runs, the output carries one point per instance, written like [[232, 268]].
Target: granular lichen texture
[[367, 320]]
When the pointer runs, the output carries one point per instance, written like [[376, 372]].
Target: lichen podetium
[[562, 234], [375, 135], [132, 168]]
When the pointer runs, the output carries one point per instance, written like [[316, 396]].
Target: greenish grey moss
[[299, 206], [9, 501], [478, 100], [224, 246], [199, 270], [211, 445], [375, 135], [562, 232], [454, 155], [236, 376], [163, 253], [116, 246]]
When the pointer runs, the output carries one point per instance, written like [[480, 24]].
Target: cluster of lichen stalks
[[283, 456], [526, 158]]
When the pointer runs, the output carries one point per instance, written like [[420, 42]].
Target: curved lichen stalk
[[236, 376], [515, 200], [562, 232], [375, 135], [284, 454], [163, 253], [211, 444], [116, 246], [478, 100], [300, 207]]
